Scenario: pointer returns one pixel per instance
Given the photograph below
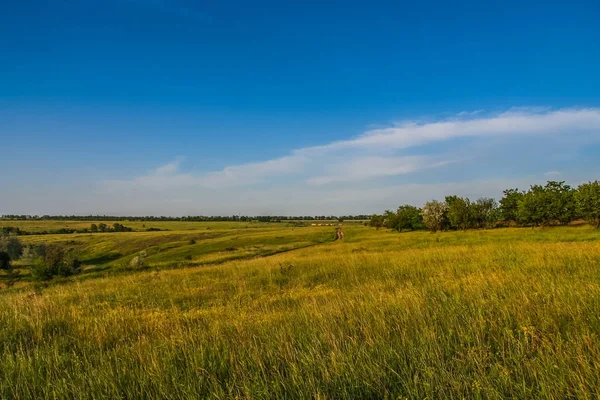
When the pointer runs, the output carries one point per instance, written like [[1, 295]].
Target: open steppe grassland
[[275, 311]]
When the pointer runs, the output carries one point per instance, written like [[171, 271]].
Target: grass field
[[272, 311]]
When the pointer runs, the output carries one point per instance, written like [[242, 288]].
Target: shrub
[[11, 245], [5, 261], [33, 252], [40, 271], [55, 262]]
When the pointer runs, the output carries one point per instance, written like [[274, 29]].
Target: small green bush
[[55, 262]]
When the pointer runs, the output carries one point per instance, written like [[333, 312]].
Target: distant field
[[274, 311], [46, 225]]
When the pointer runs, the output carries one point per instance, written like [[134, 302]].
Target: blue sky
[[181, 107]]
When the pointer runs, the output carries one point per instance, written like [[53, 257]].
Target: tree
[[509, 205], [548, 205], [408, 217], [390, 219], [531, 207], [12, 246], [93, 228], [483, 212], [376, 221], [102, 227], [459, 212], [587, 198], [434, 215], [560, 203]]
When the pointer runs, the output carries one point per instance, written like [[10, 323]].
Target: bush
[[11, 245], [40, 271], [55, 262], [5, 261], [33, 252]]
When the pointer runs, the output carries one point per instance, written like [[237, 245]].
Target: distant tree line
[[102, 227], [232, 218], [555, 203]]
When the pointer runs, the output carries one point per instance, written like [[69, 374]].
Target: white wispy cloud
[[514, 122], [369, 167], [378, 153]]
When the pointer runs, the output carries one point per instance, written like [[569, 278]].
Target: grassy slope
[[494, 314], [114, 251]]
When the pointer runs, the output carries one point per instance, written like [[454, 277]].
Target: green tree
[[509, 205], [390, 219], [483, 212], [459, 212], [409, 217], [102, 227], [587, 198], [548, 205], [560, 203], [93, 228], [376, 221], [531, 207]]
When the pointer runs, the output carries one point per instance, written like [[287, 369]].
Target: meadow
[[238, 310]]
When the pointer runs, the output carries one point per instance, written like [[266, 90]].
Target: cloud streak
[[379, 153]]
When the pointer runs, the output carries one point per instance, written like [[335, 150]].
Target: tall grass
[[491, 314]]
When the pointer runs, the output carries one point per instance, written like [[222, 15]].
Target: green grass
[[50, 225], [508, 313]]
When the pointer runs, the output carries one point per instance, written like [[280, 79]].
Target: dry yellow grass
[[486, 314]]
